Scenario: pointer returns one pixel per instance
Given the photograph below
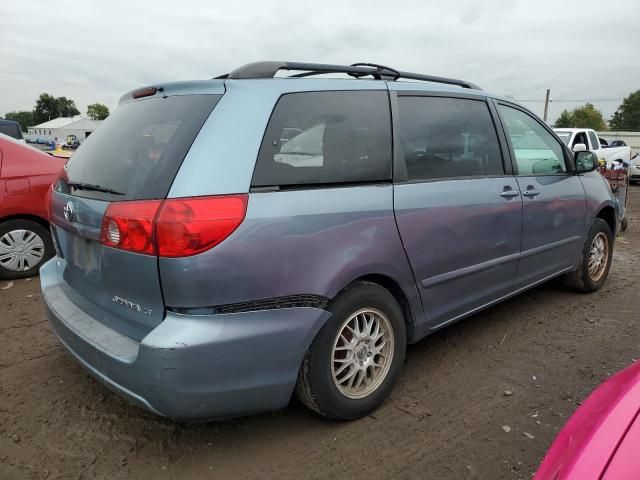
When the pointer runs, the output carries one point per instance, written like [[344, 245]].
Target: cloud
[[95, 51]]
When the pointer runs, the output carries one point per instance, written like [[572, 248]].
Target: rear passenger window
[[448, 137], [326, 137]]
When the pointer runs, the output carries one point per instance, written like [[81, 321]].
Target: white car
[[575, 136]]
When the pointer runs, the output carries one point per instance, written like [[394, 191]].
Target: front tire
[[24, 246], [356, 357], [595, 260]]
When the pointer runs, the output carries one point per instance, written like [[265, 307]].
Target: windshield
[[137, 151], [564, 136]]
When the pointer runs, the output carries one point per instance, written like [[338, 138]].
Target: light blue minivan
[[224, 243]]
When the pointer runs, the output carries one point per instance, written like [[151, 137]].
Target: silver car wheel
[[21, 250], [362, 353], [598, 256]]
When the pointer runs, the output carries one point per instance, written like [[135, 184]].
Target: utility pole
[[546, 104]]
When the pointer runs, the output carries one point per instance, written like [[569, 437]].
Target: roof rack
[[357, 70]]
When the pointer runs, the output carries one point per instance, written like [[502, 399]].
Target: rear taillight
[[176, 227], [188, 226], [129, 226]]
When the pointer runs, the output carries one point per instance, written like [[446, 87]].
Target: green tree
[[49, 107], [67, 107], [24, 118], [565, 120], [627, 117], [46, 108], [586, 116], [97, 111]]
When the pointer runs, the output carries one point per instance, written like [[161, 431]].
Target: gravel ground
[[481, 399]]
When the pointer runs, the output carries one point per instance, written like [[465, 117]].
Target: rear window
[[326, 138], [11, 129], [139, 148]]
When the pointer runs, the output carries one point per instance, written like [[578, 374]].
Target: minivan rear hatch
[[132, 157]]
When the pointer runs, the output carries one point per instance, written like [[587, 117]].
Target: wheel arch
[[26, 216], [398, 293], [608, 214]]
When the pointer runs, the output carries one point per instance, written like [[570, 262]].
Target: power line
[[572, 100]]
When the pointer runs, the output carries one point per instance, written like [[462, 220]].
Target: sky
[[96, 50]]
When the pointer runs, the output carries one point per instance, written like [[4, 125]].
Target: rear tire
[[595, 260], [24, 246], [357, 356]]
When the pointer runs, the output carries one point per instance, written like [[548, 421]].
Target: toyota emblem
[[68, 211]]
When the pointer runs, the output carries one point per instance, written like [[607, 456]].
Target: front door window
[[537, 152]]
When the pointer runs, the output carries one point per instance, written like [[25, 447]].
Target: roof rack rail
[[357, 70]]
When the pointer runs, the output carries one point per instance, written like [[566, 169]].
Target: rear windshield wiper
[[91, 187]]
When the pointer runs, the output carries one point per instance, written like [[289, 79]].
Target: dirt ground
[[445, 419]]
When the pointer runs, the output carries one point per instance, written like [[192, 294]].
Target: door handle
[[531, 192], [509, 193]]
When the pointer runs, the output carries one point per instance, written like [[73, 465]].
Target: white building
[[58, 129]]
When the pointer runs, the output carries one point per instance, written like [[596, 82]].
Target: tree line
[[48, 107], [625, 118]]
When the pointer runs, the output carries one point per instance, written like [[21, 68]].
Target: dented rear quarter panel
[[297, 242]]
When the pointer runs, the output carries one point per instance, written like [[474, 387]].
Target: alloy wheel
[[598, 256], [362, 353]]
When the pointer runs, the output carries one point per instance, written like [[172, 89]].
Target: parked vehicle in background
[[600, 441], [12, 129], [71, 142], [26, 175], [223, 243], [608, 154], [613, 143], [634, 169]]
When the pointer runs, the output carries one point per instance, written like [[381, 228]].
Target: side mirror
[[585, 161], [579, 147]]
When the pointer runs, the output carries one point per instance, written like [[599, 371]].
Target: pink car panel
[[585, 446]]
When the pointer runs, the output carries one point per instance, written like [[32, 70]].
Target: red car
[[25, 177], [602, 438]]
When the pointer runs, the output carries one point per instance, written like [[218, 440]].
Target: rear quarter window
[[139, 148], [316, 138]]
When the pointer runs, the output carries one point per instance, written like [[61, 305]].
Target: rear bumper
[[190, 367]]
